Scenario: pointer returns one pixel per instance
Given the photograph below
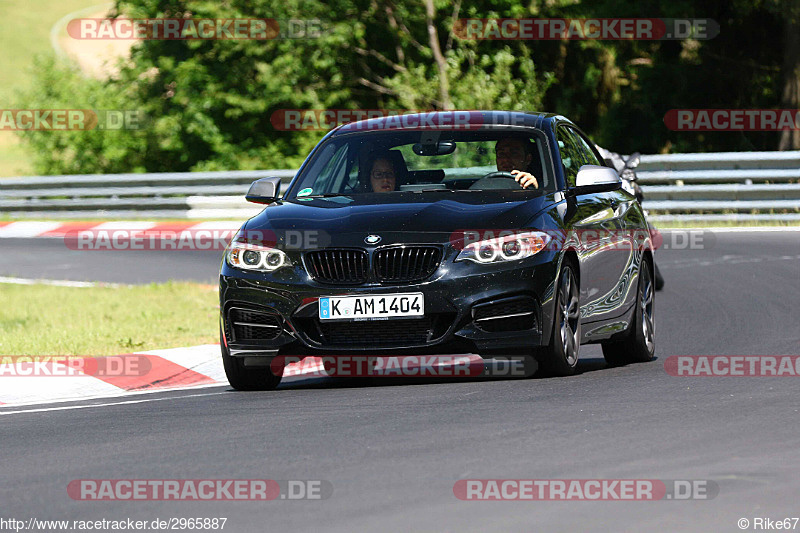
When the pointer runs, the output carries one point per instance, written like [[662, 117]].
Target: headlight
[[506, 248], [254, 257]]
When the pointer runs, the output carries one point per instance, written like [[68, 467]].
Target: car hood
[[403, 212]]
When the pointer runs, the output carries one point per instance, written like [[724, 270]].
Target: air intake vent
[[338, 266], [378, 333], [250, 325], [406, 264], [517, 314]]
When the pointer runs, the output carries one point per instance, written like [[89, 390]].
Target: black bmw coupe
[[481, 232]]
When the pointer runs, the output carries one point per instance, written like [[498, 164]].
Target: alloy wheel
[[570, 316]]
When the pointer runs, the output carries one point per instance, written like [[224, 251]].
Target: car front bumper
[[469, 308]]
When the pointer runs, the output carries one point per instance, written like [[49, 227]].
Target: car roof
[[452, 121]]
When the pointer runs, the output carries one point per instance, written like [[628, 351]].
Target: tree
[[209, 102], [790, 97]]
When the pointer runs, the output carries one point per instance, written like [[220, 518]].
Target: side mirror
[[264, 191], [634, 160], [594, 178]]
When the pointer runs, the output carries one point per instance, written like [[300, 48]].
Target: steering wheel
[[499, 175], [491, 177]]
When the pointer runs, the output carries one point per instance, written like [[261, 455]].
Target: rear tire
[[248, 378], [639, 346], [560, 357]]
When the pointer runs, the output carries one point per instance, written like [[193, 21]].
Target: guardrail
[[718, 186], [156, 195], [745, 186]]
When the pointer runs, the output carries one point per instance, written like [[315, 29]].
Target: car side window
[[588, 154], [333, 174], [571, 155], [338, 173]]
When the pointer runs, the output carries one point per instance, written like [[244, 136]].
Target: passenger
[[382, 176]]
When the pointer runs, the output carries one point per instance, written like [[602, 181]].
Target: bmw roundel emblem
[[372, 239]]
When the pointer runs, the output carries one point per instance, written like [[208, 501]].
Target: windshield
[[402, 162]]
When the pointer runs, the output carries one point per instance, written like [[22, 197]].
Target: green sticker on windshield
[[305, 192]]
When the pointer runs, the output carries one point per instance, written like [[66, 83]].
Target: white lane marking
[[745, 260], [727, 259], [118, 393], [221, 225], [739, 229], [292, 380], [125, 225], [112, 404], [27, 229], [57, 282], [18, 388]]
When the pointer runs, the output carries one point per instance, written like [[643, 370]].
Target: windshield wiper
[[441, 190], [326, 195]]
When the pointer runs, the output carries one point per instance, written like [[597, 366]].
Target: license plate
[[371, 307]]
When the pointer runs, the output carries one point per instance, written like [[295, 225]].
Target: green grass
[[14, 157], [46, 320], [24, 33]]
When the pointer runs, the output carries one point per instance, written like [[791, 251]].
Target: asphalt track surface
[[394, 451], [50, 258]]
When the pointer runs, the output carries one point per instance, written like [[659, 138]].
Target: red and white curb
[[32, 229], [172, 369], [177, 368]]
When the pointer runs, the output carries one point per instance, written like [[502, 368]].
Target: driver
[[512, 154]]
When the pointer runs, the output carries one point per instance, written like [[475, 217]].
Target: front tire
[[245, 378], [560, 357], [659, 278], [639, 346]]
